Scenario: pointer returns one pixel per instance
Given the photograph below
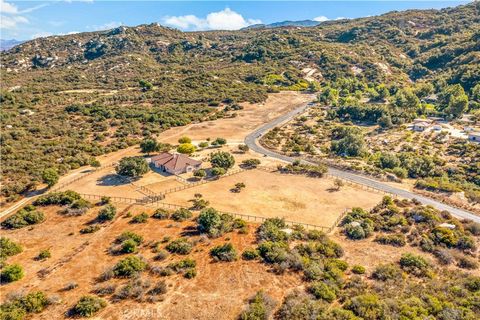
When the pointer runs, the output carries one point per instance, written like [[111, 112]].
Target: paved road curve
[[252, 142]]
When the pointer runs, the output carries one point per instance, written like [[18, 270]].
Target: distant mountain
[[302, 23], [6, 44]]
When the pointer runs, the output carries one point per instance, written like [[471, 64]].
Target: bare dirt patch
[[105, 182]]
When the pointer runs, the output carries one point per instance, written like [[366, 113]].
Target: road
[[18, 205], [252, 142]]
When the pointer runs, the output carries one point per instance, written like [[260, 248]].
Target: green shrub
[[182, 265], [273, 252], [358, 231], [217, 171], [322, 291], [185, 266], [219, 142], [182, 215], [414, 264], [184, 139], [140, 218], [400, 172], [180, 246], [90, 229], [222, 159], [23, 218], [444, 236], [43, 255], [466, 243], [357, 269], [200, 173], [127, 235], [128, 246], [19, 307], [271, 230], [250, 254], [12, 272], [367, 306], [186, 148], [251, 163], [225, 252], [387, 272], [129, 267], [107, 213], [472, 283], [9, 248], [60, 198], [34, 302], [190, 273], [213, 223], [465, 262], [161, 214], [88, 306], [259, 307], [199, 203], [396, 240]]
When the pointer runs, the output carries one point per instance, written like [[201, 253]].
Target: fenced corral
[[188, 184], [81, 176], [151, 203]]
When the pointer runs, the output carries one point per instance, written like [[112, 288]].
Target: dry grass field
[[235, 129], [295, 198]]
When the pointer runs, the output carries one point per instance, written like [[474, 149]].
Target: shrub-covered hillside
[[67, 99]]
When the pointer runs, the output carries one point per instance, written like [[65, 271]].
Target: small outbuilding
[[474, 136], [175, 163]]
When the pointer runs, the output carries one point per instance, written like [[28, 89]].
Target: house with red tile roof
[[175, 163]]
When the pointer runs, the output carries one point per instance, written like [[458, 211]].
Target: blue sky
[[25, 20]]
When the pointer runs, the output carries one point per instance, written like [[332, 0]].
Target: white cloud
[[185, 22], [10, 18], [321, 19], [9, 8], [226, 19], [106, 26], [10, 22], [341, 18]]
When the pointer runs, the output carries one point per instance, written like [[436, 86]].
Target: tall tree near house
[[149, 145]]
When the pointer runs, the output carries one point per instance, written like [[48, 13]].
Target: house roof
[[174, 162]]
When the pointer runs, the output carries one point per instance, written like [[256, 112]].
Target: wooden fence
[[188, 184], [80, 176], [148, 202], [360, 185]]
